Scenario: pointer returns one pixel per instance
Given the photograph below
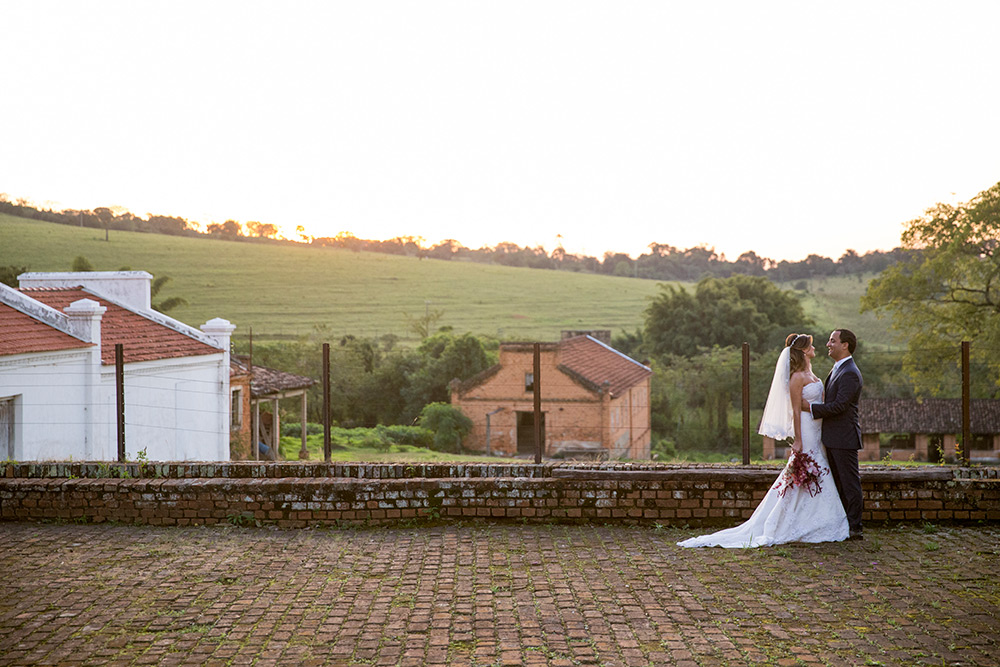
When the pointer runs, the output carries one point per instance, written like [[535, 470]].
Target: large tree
[[721, 312], [693, 338], [693, 396], [443, 358], [947, 290]]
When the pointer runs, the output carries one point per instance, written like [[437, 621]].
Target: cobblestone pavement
[[492, 594]]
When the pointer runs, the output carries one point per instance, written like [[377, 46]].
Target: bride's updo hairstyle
[[798, 344]]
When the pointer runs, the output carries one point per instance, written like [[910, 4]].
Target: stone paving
[[492, 594]]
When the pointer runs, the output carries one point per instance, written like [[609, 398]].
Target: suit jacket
[[839, 412]]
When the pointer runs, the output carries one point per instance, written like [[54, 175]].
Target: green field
[[286, 291]]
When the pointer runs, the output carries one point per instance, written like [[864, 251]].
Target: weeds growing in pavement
[[244, 520]]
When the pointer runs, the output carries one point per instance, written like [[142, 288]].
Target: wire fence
[[73, 408], [180, 412]]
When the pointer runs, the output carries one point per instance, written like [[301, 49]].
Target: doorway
[[7, 428], [526, 433]]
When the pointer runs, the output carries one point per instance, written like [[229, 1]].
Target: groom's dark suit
[[842, 436]]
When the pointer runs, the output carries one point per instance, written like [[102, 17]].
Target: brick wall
[[304, 494]]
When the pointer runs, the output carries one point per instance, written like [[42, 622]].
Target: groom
[[841, 427]]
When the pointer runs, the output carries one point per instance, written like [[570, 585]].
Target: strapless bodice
[[813, 392]]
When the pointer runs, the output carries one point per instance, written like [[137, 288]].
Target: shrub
[[448, 423], [663, 449], [293, 429], [408, 435], [376, 439]]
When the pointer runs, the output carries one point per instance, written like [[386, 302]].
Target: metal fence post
[[327, 453], [254, 409], [538, 402], [746, 403], [966, 403], [120, 391]]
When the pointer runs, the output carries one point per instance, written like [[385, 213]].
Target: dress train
[[796, 515]]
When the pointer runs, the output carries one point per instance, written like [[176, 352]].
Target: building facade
[[595, 401], [58, 383]]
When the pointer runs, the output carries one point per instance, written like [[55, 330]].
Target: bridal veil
[[778, 419]]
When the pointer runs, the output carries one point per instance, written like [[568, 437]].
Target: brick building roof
[[23, 334], [585, 359], [599, 363], [927, 416], [143, 339]]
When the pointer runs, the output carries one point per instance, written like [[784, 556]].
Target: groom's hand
[[806, 406]]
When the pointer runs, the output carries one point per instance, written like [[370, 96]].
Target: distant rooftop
[[927, 416]]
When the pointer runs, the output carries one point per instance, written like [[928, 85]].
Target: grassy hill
[[836, 302], [285, 291]]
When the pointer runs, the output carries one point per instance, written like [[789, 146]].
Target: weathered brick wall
[[296, 495]]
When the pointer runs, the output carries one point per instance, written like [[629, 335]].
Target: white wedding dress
[[795, 516]]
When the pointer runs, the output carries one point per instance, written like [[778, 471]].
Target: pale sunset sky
[[787, 128]]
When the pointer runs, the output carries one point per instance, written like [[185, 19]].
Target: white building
[[58, 397]]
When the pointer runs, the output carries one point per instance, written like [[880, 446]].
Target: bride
[[798, 507]]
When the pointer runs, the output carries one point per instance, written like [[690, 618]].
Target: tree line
[[661, 262]]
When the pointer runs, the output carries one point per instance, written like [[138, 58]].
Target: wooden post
[[255, 448], [120, 391], [327, 453], [966, 404], [537, 385], [275, 430], [303, 451], [489, 450], [746, 404], [488, 433], [254, 409]]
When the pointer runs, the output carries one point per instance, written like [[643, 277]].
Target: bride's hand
[[797, 445]]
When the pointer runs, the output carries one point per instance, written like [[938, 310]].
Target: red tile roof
[[585, 359], [599, 364], [22, 334], [143, 339]]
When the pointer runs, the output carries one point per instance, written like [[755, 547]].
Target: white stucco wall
[[50, 404], [175, 410]]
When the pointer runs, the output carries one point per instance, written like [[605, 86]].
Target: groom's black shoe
[[856, 535]]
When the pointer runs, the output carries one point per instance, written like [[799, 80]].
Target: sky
[[786, 128]]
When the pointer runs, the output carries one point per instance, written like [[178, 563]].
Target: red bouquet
[[802, 471]]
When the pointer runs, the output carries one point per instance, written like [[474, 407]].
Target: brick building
[[594, 401]]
